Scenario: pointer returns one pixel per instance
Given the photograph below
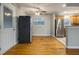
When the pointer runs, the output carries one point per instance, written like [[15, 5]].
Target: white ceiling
[[50, 8]]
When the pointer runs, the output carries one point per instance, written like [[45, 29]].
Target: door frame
[[0, 28]]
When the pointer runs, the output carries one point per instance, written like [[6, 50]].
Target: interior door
[[24, 29], [8, 28]]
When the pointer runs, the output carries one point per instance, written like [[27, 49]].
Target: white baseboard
[[2, 52], [41, 34], [53, 36], [73, 47], [60, 41]]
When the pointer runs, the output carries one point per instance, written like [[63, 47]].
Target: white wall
[[8, 41], [53, 24], [44, 30], [20, 12], [41, 30]]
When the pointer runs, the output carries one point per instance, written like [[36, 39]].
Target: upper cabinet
[[75, 20], [59, 17]]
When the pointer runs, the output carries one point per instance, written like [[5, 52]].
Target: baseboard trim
[[41, 34], [72, 51], [2, 52], [72, 47], [59, 41]]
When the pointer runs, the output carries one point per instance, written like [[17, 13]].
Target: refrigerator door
[[60, 28]]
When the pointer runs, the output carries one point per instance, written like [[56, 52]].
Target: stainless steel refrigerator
[[59, 28]]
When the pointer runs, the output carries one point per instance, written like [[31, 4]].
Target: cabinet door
[[74, 19]]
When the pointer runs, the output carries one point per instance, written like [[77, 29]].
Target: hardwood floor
[[39, 46], [72, 51]]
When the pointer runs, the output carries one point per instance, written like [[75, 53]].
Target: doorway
[[61, 22]]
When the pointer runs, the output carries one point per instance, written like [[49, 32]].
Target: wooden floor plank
[[39, 46]]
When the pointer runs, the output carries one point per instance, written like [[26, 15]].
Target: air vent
[[72, 4], [44, 11]]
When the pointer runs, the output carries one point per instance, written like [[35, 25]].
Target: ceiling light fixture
[[37, 12], [64, 5]]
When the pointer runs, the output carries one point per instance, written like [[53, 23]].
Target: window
[[67, 21], [39, 20], [7, 18]]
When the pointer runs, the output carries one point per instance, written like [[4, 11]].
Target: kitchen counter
[[72, 27], [72, 36]]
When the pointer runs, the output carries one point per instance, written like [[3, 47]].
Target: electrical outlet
[[0, 26]]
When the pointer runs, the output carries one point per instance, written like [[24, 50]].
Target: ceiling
[[49, 8]]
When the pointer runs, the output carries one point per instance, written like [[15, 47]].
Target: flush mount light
[[37, 12], [64, 5]]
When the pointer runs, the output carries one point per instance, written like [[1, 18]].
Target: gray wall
[[72, 40], [0, 28]]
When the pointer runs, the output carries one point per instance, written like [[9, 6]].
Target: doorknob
[[14, 29]]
